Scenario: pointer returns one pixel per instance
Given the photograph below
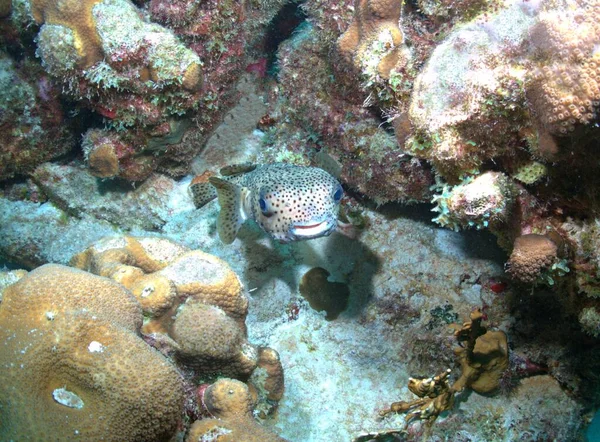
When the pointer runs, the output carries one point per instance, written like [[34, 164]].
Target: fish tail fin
[[231, 215], [201, 190]]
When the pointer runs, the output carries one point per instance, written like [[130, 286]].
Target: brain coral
[[194, 305], [230, 403], [74, 364]]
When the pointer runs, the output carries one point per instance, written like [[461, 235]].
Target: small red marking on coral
[[259, 68], [106, 112], [498, 287]]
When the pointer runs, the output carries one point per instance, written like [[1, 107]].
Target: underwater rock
[[74, 190], [34, 234]]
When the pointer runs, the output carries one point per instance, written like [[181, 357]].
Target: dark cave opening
[[282, 26]]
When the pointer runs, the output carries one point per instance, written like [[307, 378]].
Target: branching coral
[[483, 357]]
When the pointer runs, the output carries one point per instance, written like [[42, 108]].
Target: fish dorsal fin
[[201, 190], [237, 169], [231, 215]]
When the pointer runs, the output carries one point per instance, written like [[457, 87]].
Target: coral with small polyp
[[75, 365], [229, 403], [373, 39], [193, 303], [564, 82], [532, 255]]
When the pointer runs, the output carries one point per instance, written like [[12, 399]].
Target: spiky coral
[[479, 202]]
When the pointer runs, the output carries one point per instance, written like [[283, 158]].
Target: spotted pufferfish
[[288, 202]]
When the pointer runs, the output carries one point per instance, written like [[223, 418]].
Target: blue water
[[593, 432]]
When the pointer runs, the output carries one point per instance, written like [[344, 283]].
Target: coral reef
[[193, 302], [482, 359], [384, 333], [488, 109], [82, 353], [32, 120], [230, 404], [532, 254]]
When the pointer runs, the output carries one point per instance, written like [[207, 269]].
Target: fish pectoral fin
[[202, 194], [237, 169], [231, 215]]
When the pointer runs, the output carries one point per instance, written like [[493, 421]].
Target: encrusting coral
[[230, 405], [75, 365], [483, 358]]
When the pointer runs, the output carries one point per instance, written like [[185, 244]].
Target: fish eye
[[263, 205], [339, 193]]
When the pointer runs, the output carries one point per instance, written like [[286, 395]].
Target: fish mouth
[[315, 230]]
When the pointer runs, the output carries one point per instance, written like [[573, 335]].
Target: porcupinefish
[[289, 202]]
